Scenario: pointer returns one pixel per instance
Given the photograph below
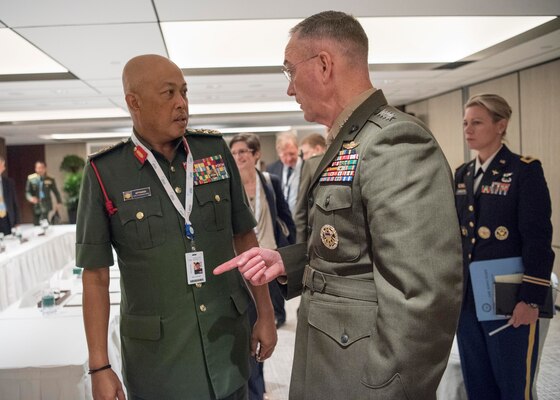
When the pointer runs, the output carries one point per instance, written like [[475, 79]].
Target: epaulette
[[383, 116], [528, 159], [206, 132], [108, 149], [32, 176]]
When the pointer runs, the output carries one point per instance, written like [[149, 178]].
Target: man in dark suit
[[9, 210], [288, 167]]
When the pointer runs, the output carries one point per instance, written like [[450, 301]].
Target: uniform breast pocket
[[334, 228], [214, 202], [142, 221]]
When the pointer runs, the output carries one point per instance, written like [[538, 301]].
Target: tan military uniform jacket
[[381, 302]]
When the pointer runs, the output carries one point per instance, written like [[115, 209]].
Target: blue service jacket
[[508, 216]]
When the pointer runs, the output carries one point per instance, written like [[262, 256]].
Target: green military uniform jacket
[[300, 216], [382, 298], [179, 341], [33, 189]]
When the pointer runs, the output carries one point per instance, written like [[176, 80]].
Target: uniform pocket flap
[[345, 323], [241, 300], [139, 209], [210, 192], [338, 199], [146, 327]]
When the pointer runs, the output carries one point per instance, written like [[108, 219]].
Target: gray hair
[[337, 26]]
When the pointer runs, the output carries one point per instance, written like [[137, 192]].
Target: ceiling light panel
[[201, 44], [21, 57], [440, 39], [116, 43], [419, 40], [50, 115]]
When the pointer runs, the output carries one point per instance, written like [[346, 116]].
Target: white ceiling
[[94, 39]]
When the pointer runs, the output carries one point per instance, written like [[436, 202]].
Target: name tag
[[135, 194]]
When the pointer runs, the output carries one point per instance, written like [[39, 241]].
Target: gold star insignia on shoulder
[[386, 114], [495, 172], [350, 145], [528, 159], [108, 148], [204, 132], [502, 161]]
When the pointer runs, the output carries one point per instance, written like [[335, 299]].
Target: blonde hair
[[496, 105]]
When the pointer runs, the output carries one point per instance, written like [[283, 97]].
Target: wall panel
[[443, 115], [540, 119]]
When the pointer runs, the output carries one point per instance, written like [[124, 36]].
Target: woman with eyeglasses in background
[[275, 226]]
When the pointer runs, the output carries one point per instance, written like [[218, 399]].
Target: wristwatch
[[532, 305]]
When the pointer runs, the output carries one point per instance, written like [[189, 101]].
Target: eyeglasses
[[288, 71], [241, 152]]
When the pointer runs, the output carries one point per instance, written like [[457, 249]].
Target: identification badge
[[135, 194], [195, 267]]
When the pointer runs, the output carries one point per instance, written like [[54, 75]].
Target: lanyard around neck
[[184, 211]]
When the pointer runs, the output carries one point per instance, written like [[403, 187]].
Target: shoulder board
[[108, 149], [32, 176], [528, 159], [205, 132], [383, 116]]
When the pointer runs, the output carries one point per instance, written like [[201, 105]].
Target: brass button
[[473, 240], [217, 198], [198, 285], [202, 308], [139, 215], [172, 168], [178, 190], [471, 224], [470, 256], [471, 208]]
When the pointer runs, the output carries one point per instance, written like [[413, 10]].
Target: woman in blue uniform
[[504, 210]]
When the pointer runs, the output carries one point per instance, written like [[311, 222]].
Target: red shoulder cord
[[109, 206]]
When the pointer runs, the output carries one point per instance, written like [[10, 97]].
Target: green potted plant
[[73, 165]]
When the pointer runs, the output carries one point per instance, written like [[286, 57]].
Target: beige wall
[[444, 116], [540, 119], [533, 95], [54, 153]]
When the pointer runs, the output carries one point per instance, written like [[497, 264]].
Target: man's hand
[[523, 314], [257, 265], [264, 334], [106, 386], [34, 200]]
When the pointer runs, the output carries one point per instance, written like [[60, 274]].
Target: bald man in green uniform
[[166, 200]]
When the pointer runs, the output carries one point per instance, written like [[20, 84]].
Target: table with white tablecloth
[[23, 265], [46, 357]]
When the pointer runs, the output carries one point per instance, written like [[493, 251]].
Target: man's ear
[[326, 64], [132, 102]]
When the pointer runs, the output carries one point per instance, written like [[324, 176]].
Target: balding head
[[139, 70], [155, 93]]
